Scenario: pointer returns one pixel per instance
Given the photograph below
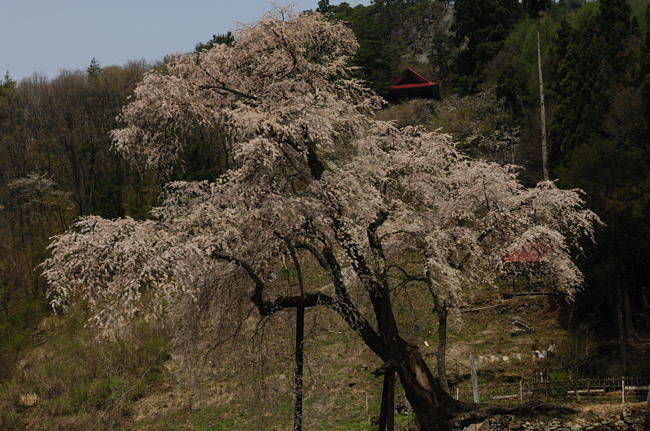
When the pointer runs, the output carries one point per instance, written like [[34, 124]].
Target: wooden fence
[[593, 390]]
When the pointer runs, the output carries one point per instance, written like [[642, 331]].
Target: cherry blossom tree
[[313, 175]]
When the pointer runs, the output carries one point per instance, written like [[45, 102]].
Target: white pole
[[457, 393], [542, 109], [623, 389]]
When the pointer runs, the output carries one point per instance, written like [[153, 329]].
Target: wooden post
[[387, 412], [472, 366], [300, 338], [521, 389], [457, 393], [647, 411], [623, 389], [367, 414]]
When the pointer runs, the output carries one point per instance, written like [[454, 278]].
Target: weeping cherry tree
[[313, 173]]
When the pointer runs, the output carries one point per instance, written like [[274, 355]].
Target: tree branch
[[376, 245], [228, 89], [266, 308]]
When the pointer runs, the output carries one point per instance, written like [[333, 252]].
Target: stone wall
[[632, 419]]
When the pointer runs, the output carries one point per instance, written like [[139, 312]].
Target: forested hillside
[[68, 149]]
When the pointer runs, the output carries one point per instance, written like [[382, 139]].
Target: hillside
[[246, 384], [228, 363]]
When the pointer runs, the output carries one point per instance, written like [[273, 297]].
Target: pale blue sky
[[47, 36]]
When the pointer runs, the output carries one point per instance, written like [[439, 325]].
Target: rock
[[28, 400], [521, 326], [402, 405]]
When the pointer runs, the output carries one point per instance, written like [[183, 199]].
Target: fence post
[[472, 366], [367, 414], [623, 389], [521, 389]]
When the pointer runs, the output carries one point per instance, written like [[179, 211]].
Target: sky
[[47, 36]]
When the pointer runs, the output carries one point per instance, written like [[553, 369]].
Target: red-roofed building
[[532, 253], [411, 84]]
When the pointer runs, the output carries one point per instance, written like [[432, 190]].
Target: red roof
[[410, 78], [532, 253]]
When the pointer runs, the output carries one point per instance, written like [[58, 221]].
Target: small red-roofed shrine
[[412, 84], [527, 263], [530, 254]]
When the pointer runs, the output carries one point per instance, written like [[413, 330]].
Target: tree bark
[[300, 336], [431, 404], [442, 348]]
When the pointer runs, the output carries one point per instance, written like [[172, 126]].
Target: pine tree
[[484, 25], [323, 6], [94, 67], [217, 39]]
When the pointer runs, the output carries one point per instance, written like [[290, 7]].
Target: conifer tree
[[94, 67]]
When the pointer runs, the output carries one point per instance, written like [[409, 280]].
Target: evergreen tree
[[534, 7], [599, 143], [645, 69], [217, 39], [323, 6], [7, 82], [483, 25], [94, 67]]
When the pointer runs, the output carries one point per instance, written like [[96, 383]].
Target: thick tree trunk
[[442, 348], [431, 404], [300, 336], [387, 413]]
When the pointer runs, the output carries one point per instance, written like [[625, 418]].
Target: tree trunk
[[300, 336], [629, 323], [622, 339], [647, 412], [431, 404], [542, 109], [387, 413], [442, 348], [646, 305]]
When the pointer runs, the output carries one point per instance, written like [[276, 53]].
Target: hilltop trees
[[314, 175], [481, 26]]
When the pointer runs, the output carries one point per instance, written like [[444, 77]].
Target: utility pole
[[542, 108]]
